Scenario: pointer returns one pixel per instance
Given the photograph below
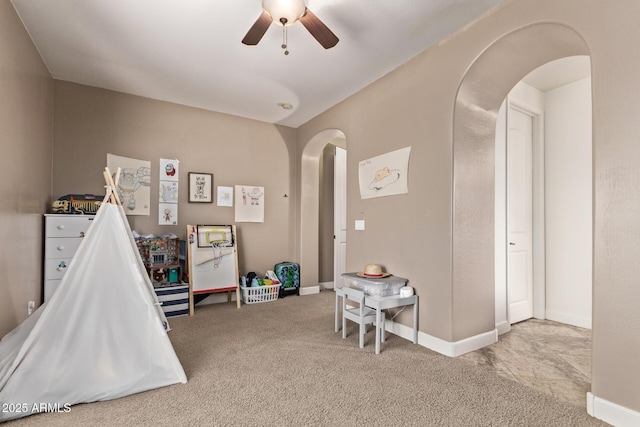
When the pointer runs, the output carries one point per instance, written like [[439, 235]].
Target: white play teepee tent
[[102, 335]]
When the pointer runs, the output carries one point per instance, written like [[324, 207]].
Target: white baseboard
[[569, 319], [611, 413], [474, 343], [503, 327], [326, 285], [451, 349], [310, 290]]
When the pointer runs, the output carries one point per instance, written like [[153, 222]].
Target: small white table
[[380, 303]]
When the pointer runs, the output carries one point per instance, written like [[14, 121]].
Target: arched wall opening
[[556, 211], [310, 205], [481, 92]]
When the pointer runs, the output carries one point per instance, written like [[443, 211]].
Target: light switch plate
[[359, 224]]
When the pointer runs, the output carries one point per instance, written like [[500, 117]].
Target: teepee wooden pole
[[112, 186], [107, 188]]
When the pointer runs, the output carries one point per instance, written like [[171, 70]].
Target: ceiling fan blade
[[257, 30], [318, 30]]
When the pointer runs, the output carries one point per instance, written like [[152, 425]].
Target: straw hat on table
[[373, 271]]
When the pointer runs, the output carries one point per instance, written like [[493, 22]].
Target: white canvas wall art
[[168, 192], [249, 203], [384, 175], [133, 184]]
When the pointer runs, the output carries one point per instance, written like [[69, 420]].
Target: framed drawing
[[200, 187]]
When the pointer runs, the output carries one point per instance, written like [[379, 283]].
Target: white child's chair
[[361, 315]]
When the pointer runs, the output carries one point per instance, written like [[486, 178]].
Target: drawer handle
[[82, 234], [60, 248], [60, 226], [62, 266]]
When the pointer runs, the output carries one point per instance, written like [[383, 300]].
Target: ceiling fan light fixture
[[285, 12]]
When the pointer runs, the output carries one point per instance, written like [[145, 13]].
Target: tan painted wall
[[92, 122], [26, 134], [412, 234], [409, 234]]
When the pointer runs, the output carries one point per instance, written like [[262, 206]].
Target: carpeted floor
[[548, 356], [281, 364]]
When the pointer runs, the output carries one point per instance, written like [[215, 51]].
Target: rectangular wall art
[[200, 187], [168, 197], [249, 203], [384, 175], [133, 184]]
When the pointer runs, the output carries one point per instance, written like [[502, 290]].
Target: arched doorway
[[480, 94], [482, 91], [556, 98], [310, 206]]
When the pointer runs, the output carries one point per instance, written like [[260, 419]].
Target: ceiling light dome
[[288, 11]]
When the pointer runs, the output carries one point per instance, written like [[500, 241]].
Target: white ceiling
[[559, 72], [189, 51]]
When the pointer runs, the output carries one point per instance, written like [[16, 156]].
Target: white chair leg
[[382, 327], [363, 330]]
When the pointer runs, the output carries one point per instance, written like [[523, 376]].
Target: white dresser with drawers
[[63, 234]]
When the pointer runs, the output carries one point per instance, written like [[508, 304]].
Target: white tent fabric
[[101, 336]]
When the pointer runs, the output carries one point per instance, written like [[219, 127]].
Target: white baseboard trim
[[310, 290], [503, 327], [451, 349], [326, 285], [611, 413], [474, 343], [569, 319]]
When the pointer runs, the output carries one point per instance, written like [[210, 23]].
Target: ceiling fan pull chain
[[284, 35]]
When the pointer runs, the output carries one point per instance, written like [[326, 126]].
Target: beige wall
[[409, 234], [447, 251], [91, 122], [413, 235], [26, 134]]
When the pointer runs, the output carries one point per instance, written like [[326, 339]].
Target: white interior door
[[519, 215], [340, 217]]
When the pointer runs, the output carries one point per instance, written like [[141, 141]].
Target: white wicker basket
[[260, 294]]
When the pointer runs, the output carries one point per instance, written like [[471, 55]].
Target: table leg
[[378, 322], [337, 325], [415, 321]]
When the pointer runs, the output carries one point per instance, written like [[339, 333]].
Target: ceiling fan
[[286, 13]]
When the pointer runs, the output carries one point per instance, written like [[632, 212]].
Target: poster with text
[[133, 184], [384, 175], [249, 203]]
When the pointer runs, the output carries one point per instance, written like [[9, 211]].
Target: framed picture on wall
[[200, 187]]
